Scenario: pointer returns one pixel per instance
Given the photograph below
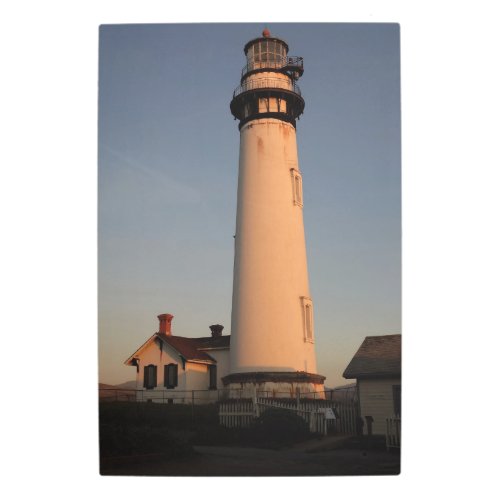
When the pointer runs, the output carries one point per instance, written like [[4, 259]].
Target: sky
[[168, 164]]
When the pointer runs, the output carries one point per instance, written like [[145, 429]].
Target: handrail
[[270, 83], [284, 62]]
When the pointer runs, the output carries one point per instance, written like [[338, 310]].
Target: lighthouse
[[272, 320]]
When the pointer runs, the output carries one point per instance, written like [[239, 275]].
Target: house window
[[170, 376], [296, 187], [212, 372], [150, 376], [396, 398], [307, 313]]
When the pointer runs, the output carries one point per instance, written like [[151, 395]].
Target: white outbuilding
[[376, 366]]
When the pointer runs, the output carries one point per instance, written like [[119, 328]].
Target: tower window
[[297, 187], [307, 312], [263, 105], [273, 104], [308, 322]]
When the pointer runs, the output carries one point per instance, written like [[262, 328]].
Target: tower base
[[275, 384]]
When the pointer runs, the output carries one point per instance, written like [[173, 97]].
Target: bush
[[173, 416], [276, 426]]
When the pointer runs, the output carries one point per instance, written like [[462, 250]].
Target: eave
[[129, 360]]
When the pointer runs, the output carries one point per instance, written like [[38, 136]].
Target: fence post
[[298, 400], [192, 404], [255, 403]]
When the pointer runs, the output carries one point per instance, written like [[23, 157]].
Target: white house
[[376, 366], [180, 369]]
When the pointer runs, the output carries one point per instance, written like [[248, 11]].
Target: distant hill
[[120, 392], [130, 384], [106, 386]]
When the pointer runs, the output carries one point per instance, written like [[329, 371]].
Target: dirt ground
[[326, 458]]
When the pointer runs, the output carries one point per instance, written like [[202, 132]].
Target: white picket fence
[[393, 432], [237, 413], [242, 413], [347, 415]]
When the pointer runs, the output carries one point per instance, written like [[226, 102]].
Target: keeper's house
[[169, 368], [377, 370]]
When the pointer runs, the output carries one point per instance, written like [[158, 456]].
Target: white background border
[[48, 199]]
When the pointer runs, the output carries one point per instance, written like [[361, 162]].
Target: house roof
[[221, 342], [191, 349], [377, 357]]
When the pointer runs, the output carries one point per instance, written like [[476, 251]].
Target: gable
[[130, 360]]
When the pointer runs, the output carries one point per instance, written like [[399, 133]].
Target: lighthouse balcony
[[293, 65], [267, 84]]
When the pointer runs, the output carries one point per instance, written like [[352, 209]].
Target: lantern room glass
[[266, 51]]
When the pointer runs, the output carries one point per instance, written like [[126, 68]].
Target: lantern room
[[268, 86]]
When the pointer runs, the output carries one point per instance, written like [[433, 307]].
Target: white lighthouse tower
[[272, 324]]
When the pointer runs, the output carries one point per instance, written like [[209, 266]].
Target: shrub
[[175, 416], [277, 426]]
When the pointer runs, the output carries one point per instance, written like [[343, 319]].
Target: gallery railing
[[267, 83], [292, 63]]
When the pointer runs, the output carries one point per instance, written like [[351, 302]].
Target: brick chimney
[[165, 324], [216, 330]]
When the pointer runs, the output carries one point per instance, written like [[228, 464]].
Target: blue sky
[[168, 159]]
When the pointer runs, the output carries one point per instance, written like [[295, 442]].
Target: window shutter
[[154, 377], [212, 372], [396, 399], [150, 377], [170, 376]]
